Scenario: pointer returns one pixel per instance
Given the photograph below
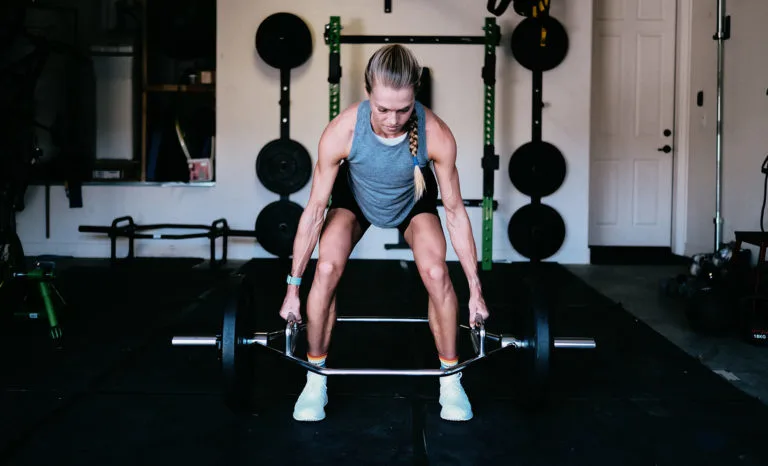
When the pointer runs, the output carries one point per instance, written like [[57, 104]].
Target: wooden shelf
[[181, 88], [158, 86]]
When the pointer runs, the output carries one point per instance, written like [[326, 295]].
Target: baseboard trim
[[634, 255]]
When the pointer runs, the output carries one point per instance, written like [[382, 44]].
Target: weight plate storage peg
[[276, 227], [284, 166], [284, 41], [537, 169], [540, 44], [536, 231]]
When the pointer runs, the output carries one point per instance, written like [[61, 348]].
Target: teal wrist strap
[[293, 280]]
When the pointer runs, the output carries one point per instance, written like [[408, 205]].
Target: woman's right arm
[[332, 148]]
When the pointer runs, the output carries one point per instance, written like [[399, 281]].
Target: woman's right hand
[[291, 306]]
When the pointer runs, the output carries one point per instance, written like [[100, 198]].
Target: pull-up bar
[[453, 40], [333, 36]]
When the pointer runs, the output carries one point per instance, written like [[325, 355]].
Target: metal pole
[[720, 37]]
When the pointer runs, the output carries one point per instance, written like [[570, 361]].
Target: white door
[[632, 119]]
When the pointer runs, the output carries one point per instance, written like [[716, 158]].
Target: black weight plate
[[537, 169], [11, 260], [542, 342], [539, 346], [754, 309], [276, 227], [237, 359], [535, 52], [283, 41], [283, 166], [536, 231]]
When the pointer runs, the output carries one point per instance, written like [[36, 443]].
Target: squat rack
[[490, 160]]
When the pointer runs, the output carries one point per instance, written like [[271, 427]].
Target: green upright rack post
[[333, 39], [490, 162]]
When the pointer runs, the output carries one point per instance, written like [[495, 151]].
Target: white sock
[[448, 363], [317, 360]]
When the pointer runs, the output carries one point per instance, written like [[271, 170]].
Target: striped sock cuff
[[446, 363], [317, 360]]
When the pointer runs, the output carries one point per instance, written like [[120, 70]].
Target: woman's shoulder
[[438, 131]]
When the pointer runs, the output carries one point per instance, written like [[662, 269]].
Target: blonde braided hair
[[413, 143]]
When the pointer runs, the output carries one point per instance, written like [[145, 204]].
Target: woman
[[373, 163]]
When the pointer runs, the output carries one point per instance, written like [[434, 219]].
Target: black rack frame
[[126, 227]]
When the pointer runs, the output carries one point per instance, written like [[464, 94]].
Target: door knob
[[666, 149]]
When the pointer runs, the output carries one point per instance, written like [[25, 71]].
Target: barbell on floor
[[238, 361]]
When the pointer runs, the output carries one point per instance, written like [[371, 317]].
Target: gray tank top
[[381, 176]]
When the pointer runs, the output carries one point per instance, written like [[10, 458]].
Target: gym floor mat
[[119, 393]]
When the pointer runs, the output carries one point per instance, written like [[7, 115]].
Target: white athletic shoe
[[454, 401], [312, 400]]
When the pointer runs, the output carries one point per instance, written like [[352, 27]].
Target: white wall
[[248, 113], [745, 122]]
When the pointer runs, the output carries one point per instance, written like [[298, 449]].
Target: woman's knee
[[328, 271], [434, 274]]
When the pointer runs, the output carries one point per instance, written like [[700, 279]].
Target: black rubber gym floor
[[119, 393]]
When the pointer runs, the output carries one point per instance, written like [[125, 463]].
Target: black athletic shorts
[[342, 197]]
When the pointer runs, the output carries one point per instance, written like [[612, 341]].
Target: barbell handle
[[480, 330], [194, 341], [290, 331]]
